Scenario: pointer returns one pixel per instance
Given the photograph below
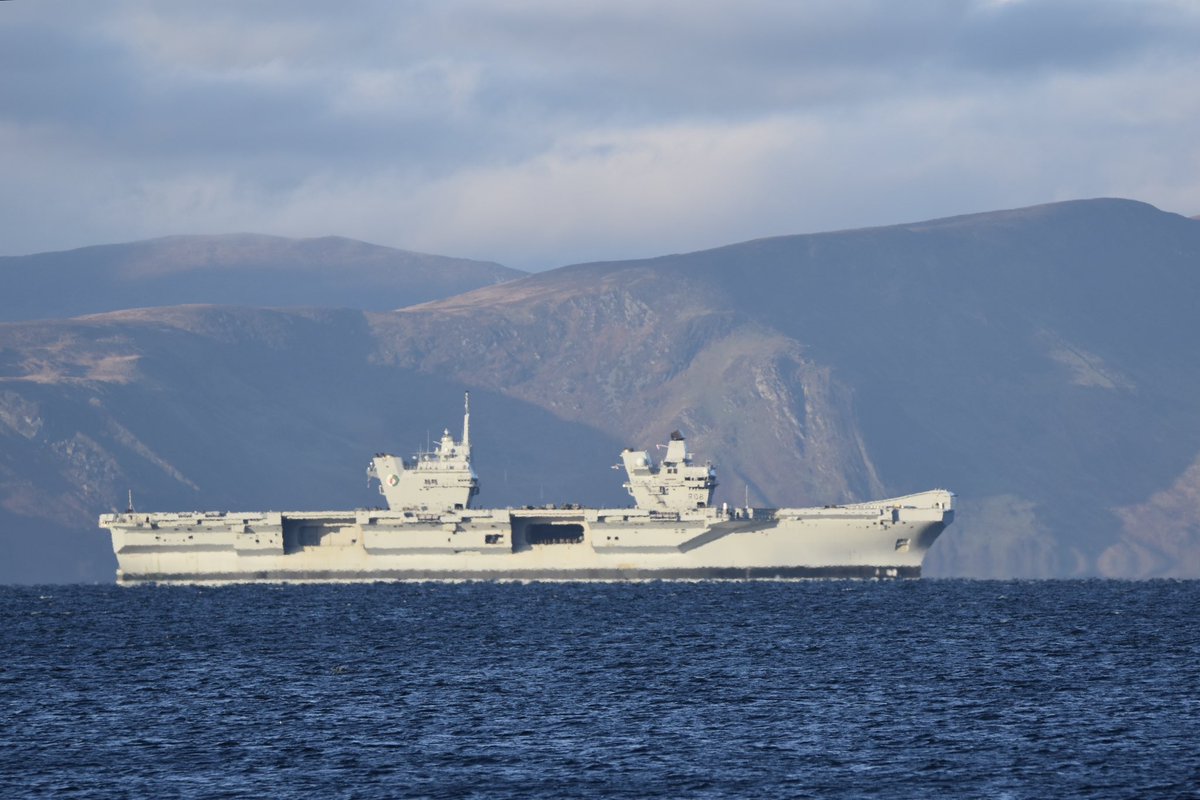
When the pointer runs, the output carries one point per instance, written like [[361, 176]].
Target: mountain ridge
[[242, 269], [1037, 361]]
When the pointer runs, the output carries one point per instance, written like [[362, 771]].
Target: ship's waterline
[[430, 533]]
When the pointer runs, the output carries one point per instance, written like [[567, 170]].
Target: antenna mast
[[466, 440]]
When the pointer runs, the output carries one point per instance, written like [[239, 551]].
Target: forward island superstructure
[[429, 532]]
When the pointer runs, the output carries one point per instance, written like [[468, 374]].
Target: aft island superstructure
[[429, 532]]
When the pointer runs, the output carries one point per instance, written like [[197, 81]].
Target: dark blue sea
[[814, 689]]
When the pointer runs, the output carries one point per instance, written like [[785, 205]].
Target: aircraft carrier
[[429, 532]]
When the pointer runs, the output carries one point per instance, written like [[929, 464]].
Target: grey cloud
[[56, 75], [577, 62], [1074, 34], [281, 115], [675, 60]]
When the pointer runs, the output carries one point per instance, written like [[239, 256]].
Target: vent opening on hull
[[544, 533]]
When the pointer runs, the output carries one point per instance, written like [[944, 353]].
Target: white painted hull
[[881, 539]]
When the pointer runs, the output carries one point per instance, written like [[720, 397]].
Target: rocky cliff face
[[1039, 362], [637, 355]]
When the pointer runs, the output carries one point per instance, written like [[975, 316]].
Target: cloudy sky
[[542, 132]]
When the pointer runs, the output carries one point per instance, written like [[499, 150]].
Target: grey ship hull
[[881, 539]]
